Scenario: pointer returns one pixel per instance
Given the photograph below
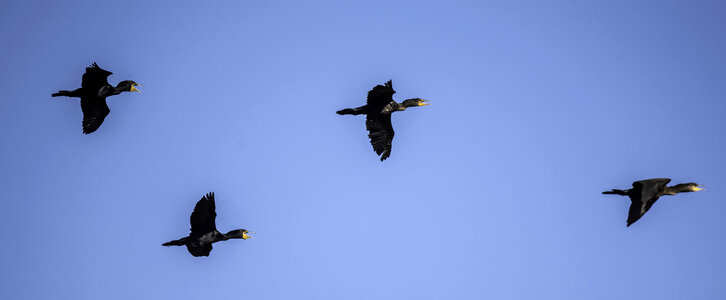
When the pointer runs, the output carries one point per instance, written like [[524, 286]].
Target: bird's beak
[[133, 87], [246, 236], [697, 188], [422, 103]]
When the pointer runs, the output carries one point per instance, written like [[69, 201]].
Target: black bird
[[645, 192], [378, 109], [93, 92], [204, 232]]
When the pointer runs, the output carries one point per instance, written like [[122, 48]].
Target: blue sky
[[492, 192]]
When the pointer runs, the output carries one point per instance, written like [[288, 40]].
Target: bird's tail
[[616, 192], [61, 93], [347, 111], [73, 93], [351, 111], [174, 243]]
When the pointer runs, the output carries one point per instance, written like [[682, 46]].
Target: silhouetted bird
[[93, 92], [204, 232], [645, 192], [378, 109]]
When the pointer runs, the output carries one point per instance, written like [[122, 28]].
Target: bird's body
[[204, 230], [646, 192], [378, 109], [93, 92]]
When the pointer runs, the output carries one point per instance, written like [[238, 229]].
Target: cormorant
[[93, 92], [378, 109], [204, 232], [645, 192]]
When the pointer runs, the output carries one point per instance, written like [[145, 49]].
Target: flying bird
[[378, 109], [645, 192], [204, 232], [93, 92]]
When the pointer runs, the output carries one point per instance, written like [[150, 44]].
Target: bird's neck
[[227, 236], [222, 237], [117, 90], [672, 190]]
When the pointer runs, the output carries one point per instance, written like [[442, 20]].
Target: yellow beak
[[422, 103], [134, 89], [696, 189]]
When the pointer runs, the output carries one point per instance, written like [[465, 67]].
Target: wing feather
[[380, 131], [95, 111], [95, 77], [644, 194], [380, 95], [200, 250], [204, 215]]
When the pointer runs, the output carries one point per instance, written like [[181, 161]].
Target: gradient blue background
[[492, 192]]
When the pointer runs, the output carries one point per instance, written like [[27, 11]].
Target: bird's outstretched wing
[[95, 77], [643, 195], [201, 250], [95, 111], [380, 95], [380, 131], [202, 219]]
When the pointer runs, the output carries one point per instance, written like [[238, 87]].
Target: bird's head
[[128, 86], [414, 102], [239, 234], [688, 187]]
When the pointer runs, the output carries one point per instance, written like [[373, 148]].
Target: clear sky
[[491, 192]]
